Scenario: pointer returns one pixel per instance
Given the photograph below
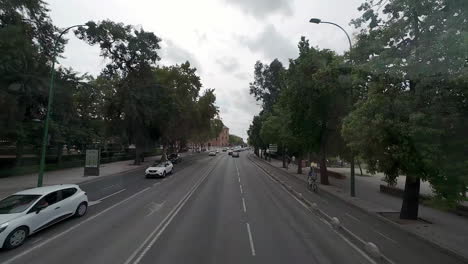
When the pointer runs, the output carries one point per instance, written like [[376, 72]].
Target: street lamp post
[[319, 21], [49, 108]]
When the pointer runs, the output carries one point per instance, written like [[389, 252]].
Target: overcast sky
[[222, 38]]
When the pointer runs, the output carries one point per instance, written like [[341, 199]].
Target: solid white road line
[[27, 251], [352, 217], [112, 194], [243, 205], [384, 236], [240, 187], [108, 187], [252, 247]]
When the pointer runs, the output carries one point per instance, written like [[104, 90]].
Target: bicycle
[[312, 181]]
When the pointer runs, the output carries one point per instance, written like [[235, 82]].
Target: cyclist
[[312, 178]]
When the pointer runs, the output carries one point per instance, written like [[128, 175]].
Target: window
[[68, 192], [17, 203], [47, 200]]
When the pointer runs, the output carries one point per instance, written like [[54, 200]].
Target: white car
[[212, 153], [159, 169], [29, 211]]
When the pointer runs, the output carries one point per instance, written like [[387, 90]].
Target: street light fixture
[[49, 107], [319, 21]]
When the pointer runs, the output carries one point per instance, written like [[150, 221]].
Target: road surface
[[211, 210]]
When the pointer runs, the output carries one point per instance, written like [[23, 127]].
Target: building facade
[[222, 140]]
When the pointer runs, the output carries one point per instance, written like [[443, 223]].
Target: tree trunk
[[323, 170], [410, 205], [284, 159], [353, 187], [299, 165], [137, 155], [323, 165], [360, 168], [59, 153], [19, 153]]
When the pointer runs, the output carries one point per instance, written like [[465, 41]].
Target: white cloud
[[262, 8], [174, 54], [271, 44], [228, 64]]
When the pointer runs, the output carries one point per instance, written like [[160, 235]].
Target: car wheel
[[81, 209], [16, 238]]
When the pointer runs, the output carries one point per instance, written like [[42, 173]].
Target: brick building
[[222, 140]]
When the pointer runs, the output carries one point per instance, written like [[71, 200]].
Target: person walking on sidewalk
[[288, 159]]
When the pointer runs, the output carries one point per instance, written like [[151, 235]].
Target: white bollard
[[372, 249], [314, 206], [335, 222]]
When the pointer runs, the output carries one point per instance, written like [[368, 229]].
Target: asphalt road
[[211, 210]]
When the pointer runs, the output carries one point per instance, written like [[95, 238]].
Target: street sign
[[273, 148]]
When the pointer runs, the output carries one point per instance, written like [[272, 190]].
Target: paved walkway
[[14, 184], [447, 229]]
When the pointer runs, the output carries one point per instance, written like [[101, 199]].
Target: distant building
[[222, 140]]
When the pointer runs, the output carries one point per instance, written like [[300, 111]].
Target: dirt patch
[[395, 217]]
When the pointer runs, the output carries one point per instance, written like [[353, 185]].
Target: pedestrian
[[293, 159], [289, 161]]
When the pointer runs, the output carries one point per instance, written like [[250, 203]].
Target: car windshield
[[17, 203], [158, 164]]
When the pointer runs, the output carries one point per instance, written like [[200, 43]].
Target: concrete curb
[[334, 222], [385, 220]]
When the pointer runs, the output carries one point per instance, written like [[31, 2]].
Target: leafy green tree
[[318, 87], [255, 138], [413, 108], [268, 82], [235, 140], [132, 53], [26, 44]]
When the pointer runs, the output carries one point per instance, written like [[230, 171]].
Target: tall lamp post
[[319, 21], [49, 107]]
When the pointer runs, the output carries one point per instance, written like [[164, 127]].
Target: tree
[[318, 87], [132, 53], [414, 53], [27, 36], [268, 82], [235, 140], [255, 139]]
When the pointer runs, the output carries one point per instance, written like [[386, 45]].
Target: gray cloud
[[228, 64], [262, 8], [241, 76], [173, 53], [271, 44]]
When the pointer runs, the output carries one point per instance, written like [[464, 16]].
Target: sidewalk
[[446, 230], [14, 184]]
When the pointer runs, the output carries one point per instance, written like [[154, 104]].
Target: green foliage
[[411, 119], [268, 82], [235, 140]]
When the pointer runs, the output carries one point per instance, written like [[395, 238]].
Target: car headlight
[[147, 171], [3, 227]]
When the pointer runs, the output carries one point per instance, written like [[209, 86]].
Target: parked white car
[[159, 169], [29, 211]]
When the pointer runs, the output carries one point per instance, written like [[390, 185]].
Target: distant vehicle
[[159, 169], [217, 151], [230, 152], [212, 153], [224, 149], [27, 212], [235, 154], [174, 158]]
